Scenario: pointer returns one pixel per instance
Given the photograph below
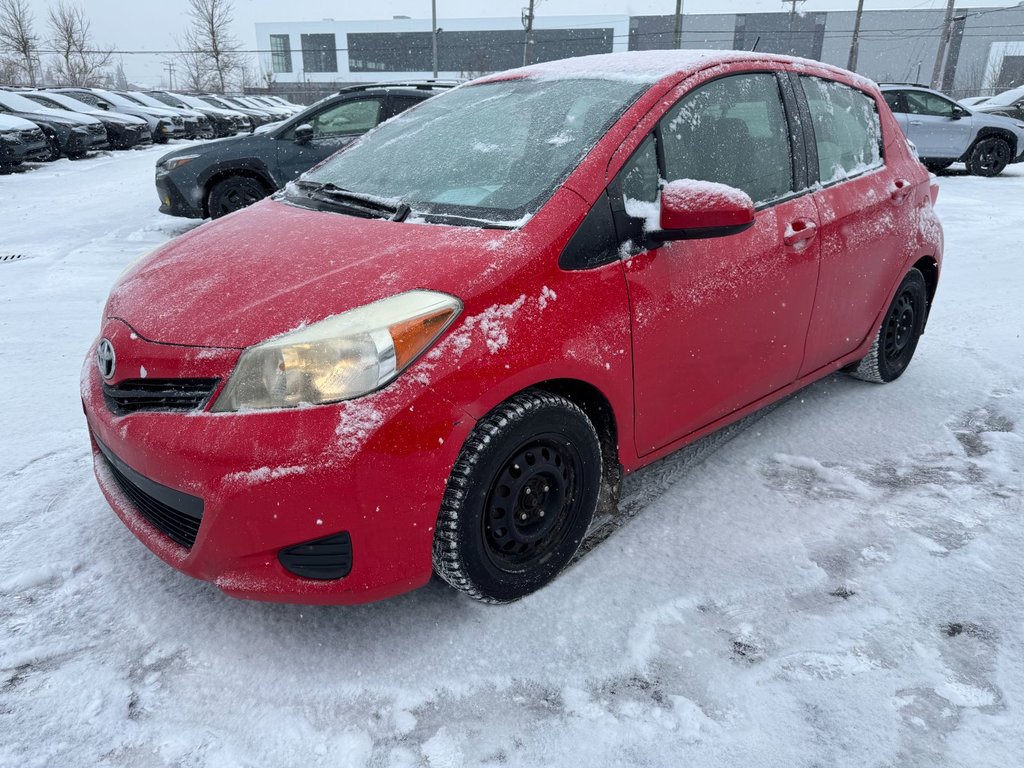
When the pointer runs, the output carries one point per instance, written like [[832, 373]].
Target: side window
[[346, 119], [401, 103], [892, 98], [732, 131], [921, 103], [847, 130]]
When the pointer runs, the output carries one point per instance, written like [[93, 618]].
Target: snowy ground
[[837, 585]]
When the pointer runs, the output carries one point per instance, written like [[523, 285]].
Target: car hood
[[13, 123], [996, 120], [274, 267], [119, 117], [226, 148]]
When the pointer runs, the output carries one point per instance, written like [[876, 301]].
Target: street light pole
[[679, 24], [528, 25], [851, 63], [433, 31]]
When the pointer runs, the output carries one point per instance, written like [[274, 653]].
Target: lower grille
[[172, 512], [158, 395], [326, 558]]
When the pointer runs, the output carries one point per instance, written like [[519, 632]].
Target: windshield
[[49, 99], [168, 99], [18, 103], [493, 152], [146, 101], [113, 98], [1005, 98]]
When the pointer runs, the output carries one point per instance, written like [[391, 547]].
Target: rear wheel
[[989, 157], [234, 193], [54, 147], [520, 498], [898, 335]]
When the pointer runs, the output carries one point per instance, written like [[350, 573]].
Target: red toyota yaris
[[439, 350]]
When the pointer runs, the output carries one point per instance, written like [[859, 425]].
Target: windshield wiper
[[360, 203]]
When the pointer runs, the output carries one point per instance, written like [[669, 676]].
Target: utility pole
[[528, 26], [170, 75], [792, 21], [433, 31], [851, 63], [679, 25], [940, 54]]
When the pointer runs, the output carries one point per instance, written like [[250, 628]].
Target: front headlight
[[345, 356], [175, 162]]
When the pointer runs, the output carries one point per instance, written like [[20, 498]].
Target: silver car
[[946, 132]]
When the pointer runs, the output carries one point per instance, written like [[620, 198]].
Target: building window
[[319, 53], [280, 53]]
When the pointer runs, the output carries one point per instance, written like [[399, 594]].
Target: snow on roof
[[651, 66]]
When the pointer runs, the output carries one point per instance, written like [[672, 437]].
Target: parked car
[[1008, 104], [123, 131], [439, 349], [972, 101], [225, 123], [164, 124], [224, 176], [20, 141], [257, 116], [945, 132], [68, 134], [197, 125]]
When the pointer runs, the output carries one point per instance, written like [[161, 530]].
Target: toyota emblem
[[106, 359]]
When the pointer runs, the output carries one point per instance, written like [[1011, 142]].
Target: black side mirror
[[102, 105], [959, 112], [303, 133]]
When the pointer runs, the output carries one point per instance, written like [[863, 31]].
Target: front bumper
[[373, 469], [178, 200]]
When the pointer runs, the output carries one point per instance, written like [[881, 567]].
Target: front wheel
[[989, 157], [520, 498], [234, 193], [899, 333]]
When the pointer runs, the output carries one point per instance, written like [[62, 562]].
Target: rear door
[[939, 128], [864, 213], [720, 323], [334, 126]]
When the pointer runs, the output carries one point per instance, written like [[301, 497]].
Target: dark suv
[[226, 175]]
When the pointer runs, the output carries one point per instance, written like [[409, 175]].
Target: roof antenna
[[754, 46]]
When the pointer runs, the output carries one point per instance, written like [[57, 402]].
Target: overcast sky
[[153, 24]]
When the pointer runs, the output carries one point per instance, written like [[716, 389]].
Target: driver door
[[334, 127], [938, 127]]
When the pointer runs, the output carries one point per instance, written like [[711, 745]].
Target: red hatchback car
[[439, 350]]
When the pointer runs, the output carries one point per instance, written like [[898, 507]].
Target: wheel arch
[[929, 267], [987, 132]]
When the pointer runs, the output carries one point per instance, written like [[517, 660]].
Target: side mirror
[[303, 133], [959, 112], [102, 105], [692, 210]]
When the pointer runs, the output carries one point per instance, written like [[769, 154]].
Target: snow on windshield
[[494, 150]]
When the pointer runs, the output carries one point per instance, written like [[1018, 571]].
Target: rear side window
[[892, 98], [847, 130], [733, 131]]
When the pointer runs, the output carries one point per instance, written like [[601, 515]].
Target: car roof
[[652, 66]]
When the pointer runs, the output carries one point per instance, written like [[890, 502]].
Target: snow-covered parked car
[[123, 131], [69, 134], [164, 124], [439, 350], [20, 140]]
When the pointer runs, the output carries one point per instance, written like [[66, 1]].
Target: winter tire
[[898, 335], [54, 146], [988, 157], [519, 499], [233, 194]]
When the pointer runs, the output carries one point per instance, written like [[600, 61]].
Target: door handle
[[799, 232], [917, 122], [900, 189]]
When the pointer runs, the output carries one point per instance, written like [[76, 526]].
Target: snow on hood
[[12, 123], [274, 267]]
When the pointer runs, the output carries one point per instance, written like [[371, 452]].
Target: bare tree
[[18, 37], [208, 37], [78, 62], [193, 68]]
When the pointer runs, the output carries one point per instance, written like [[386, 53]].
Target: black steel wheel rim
[[237, 197], [532, 503], [995, 155], [899, 327]]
